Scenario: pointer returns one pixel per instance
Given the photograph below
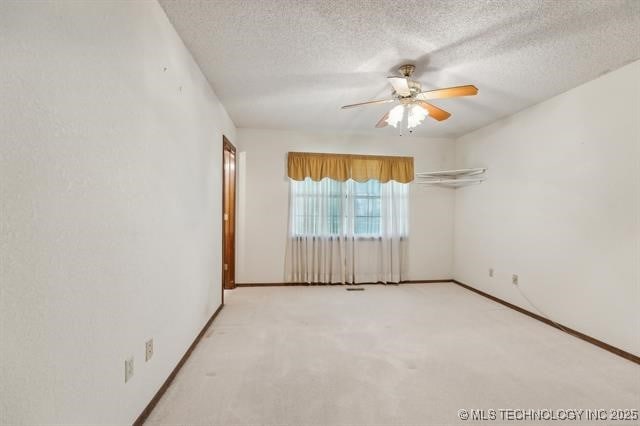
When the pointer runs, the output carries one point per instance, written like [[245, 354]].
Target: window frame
[[345, 227]]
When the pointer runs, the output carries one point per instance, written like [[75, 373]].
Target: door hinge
[[226, 216], [226, 267]]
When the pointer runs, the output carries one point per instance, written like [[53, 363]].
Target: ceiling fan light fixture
[[395, 115]]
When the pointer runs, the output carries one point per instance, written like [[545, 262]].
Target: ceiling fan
[[413, 106]]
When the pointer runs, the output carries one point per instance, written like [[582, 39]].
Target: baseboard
[[145, 413], [446, 280], [271, 284], [624, 354]]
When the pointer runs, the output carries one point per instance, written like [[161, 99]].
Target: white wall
[[560, 208], [110, 153], [264, 198]]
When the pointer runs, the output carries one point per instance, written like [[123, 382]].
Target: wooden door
[[228, 214]]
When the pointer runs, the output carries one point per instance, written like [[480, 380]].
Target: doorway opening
[[228, 215]]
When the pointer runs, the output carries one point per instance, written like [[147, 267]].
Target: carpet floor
[[390, 355]]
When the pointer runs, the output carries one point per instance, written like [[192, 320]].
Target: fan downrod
[[406, 70]]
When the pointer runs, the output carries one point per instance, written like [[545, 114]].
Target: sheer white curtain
[[347, 232]]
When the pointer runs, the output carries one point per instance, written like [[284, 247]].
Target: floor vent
[[355, 289]]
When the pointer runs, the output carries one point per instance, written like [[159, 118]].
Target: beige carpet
[[389, 355]]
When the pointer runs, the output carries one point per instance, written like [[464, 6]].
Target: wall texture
[[264, 198], [560, 208], [110, 155]]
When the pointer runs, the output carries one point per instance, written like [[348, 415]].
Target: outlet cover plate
[[128, 369], [148, 354], [514, 279]]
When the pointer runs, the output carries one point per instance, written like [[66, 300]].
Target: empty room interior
[[319, 213]]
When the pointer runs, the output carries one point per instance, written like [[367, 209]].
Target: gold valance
[[341, 167]]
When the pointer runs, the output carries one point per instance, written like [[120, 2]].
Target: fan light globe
[[417, 114], [395, 115]]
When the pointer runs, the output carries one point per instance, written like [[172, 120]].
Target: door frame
[[228, 146]]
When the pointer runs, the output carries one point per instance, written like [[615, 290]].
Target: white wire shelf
[[452, 178]]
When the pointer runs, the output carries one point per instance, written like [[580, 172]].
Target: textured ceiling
[[291, 64]]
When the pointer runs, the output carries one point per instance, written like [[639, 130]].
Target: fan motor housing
[[414, 86]]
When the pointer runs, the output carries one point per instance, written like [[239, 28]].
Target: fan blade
[[449, 92], [434, 112], [383, 121], [400, 85], [381, 101]]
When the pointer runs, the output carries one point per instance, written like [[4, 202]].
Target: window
[[350, 224], [330, 208]]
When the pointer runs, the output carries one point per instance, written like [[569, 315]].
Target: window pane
[[322, 208], [361, 206], [375, 207]]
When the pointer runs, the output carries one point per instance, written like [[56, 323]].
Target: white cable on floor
[[542, 314]]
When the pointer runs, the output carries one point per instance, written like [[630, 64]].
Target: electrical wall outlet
[[148, 350], [514, 279], [491, 272], [128, 369]]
